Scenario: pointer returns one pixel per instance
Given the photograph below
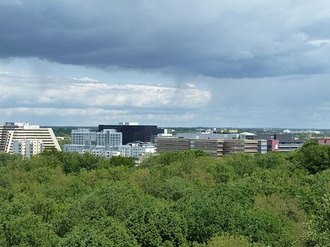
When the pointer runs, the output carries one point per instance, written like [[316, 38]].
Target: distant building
[[229, 131], [272, 145], [137, 149], [24, 134], [324, 141], [285, 142], [107, 143], [133, 132], [215, 144], [213, 147], [83, 140], [27, 147]]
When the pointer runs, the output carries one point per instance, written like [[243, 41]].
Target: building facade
[[282, 142], [24, 133], [83, 140], [216, 145], [106, 143], [133, 132], [27, 147], [137, 149]]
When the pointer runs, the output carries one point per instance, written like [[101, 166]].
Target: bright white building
[[13, 131], [27, 147], [137, 149]]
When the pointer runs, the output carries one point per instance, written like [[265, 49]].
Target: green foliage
[[170, 157], [219, 210], [271, 160], [122, 161], [157, 225], [314, 157], [227, 240], [171, 199], [268, 227], [94, 228], [319, 225]]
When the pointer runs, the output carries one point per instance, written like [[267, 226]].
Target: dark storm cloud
[[212, 38]]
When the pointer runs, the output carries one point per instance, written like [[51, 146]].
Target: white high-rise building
[[83, 137], [83, 140], [13, 131], [109, 138]]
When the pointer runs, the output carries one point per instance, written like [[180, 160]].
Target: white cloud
[[91, 94], [90, 98], [86, 79], [319, 42]]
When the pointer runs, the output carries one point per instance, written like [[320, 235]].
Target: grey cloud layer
[[210, 38]]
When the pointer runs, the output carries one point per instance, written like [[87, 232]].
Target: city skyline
[[188, 63]]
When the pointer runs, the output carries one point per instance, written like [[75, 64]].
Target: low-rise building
[[137, 149], [215, 144]]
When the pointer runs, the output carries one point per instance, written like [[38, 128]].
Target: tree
[[97, 229], [319, 226], [227, 240], [121, 161], [157, 225], [314, 157]]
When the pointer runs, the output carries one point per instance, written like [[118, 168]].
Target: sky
[[188, 63]]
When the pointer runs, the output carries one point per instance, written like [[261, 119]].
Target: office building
[[13, 131], [133, 132], [215, 144], [285, 142], [213, 147], [100, 142]]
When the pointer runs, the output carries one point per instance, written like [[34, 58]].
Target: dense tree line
[[172, 199]]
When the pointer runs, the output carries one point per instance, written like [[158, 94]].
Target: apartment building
[[23, 134], [27, 147]]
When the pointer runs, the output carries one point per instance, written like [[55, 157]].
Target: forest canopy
[[172, 199]]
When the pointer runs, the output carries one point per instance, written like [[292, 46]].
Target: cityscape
[[164, 123], [130, 139]]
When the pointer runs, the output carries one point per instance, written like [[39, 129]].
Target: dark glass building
[[136, 132]]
